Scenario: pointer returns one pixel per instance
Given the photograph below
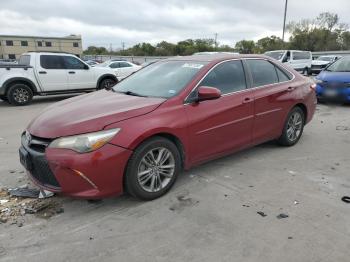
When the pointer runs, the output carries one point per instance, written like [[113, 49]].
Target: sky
[[112, 22]]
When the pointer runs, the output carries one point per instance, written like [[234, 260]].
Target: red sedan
[[169, 116]]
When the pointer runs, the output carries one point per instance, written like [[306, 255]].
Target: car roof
[[215, 57]]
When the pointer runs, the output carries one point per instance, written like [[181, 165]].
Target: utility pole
[[110, 48], [123, 46], [215, 43], [284, 20]]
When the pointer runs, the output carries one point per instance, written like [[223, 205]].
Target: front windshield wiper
[[131, 93]]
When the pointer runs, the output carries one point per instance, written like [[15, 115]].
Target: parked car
[[171, 115], [42, 73], [91, 62], [333, 83], [121, 68], [296, 59], [322, 62]]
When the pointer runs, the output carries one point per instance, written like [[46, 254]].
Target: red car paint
[[205, 130]]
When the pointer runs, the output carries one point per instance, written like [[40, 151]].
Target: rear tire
[[107, 84], [19, 95], [293, 127], [4, 98], [152, 169]]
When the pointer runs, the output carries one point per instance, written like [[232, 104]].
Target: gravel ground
[[212, 212]]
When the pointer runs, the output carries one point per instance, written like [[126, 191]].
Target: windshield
[[276, 54], [325, 58], [162, 79], [341, 65]]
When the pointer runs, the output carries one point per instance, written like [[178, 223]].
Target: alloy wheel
[[294, 126], [21, 95], [156, 169]]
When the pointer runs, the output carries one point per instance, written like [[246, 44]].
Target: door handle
[[42, 72], [291, 88], [71, 72], [247, 100]]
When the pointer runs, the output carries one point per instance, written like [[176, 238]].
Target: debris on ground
[[24, 192], [296, 202], [15, 204], [282, 215], [346, 199], [343, 128], [261, 213]]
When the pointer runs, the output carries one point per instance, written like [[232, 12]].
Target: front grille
[[40, 167]]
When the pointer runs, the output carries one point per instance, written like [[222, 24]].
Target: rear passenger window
[[282, 77], [263, 72], [51, 62], [228, 77]]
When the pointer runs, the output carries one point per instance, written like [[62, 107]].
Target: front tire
[[107, 84], [293, 127], [19, 95], [152, 169]]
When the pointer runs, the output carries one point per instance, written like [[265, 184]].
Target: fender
[[106, 76], [8, 83]]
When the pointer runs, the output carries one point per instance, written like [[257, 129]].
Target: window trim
[[282, 68], [186, 102], [247, 72]]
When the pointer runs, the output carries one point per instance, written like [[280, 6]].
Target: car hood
[[343, 77], [319, 62], [89, 113]]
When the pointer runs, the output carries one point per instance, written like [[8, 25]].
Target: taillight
[[313, 87]]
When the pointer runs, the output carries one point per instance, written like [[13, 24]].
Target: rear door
[[51, 73], [225, 124], [80, 76], [272, 87]]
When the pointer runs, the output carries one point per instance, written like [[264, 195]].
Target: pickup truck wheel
[[107, 84], [19, 94]]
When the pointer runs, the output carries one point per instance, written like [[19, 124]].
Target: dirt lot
[[210, 215]]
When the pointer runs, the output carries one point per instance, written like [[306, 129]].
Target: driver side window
[[228, 77]]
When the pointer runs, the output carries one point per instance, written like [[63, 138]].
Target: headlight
[[86, 142]]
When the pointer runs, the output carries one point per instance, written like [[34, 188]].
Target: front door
[[225, 124], [80, 75]]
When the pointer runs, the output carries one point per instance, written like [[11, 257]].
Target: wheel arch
[[173, 138], [304, 108], [105, 76], [20, 80]]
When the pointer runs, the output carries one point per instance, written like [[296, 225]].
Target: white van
[[298, 60]]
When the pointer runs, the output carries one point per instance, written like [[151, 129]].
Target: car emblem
[[29, 138]]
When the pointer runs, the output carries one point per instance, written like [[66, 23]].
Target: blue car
[[333, 83]]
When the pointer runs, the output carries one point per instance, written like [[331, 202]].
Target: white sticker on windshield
[[190, 65], [172, 91]]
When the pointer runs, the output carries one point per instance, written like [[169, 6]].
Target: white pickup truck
[[42, 73]]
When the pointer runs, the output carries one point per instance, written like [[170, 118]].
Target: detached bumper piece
[[32, 156]]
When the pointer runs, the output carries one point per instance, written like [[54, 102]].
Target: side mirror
[[208, 93]]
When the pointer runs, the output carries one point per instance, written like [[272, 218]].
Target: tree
[[245, 46], [93, 50], [269, 44]]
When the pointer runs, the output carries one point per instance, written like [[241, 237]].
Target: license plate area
[[331, 92], [25, 159]]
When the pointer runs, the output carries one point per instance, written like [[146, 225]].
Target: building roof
[[70, 37]]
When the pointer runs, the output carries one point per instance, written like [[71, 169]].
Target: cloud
[[106, 22]]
